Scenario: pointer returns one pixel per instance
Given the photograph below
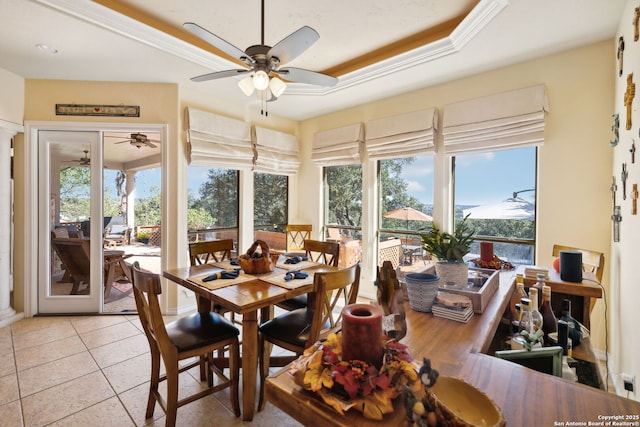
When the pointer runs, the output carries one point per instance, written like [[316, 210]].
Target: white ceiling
[[97, 43]]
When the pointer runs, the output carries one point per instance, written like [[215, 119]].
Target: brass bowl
[[457, 403]]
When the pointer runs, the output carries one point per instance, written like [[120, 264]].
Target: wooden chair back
[[332, 290], [214, 250], [75, 256], [592, 261], [296, 234], [324, 252], [60, 233]]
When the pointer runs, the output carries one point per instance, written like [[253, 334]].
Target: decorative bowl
[[457, 403]]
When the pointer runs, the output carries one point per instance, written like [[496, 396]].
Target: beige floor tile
[[56, 372], [34, 323], [6, 341], [33, 356], [66, 399], [109, 334], [11, 414], [7, 364], [47, 333], [9, 389], [104, 414], [130, 373], [119, 351], [135, 400], [86, 324]]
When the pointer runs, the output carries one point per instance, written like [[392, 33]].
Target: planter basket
[[422, 289]]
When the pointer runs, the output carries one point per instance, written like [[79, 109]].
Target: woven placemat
[[219, 283], [277, 278]]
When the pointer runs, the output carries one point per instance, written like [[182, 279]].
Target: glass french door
[[70, 195]]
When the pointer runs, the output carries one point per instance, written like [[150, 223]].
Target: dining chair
[[214, 250], [193, 336], [299, 329], [317, 251], [592, 261], [296, 234]]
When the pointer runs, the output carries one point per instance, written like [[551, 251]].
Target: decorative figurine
[[616, 218], [615, 129], [636, 16], [619, 54], [632, 150], [634, 200], [623, 176], [628, 98]]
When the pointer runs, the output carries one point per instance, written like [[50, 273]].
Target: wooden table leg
[[249, 363]]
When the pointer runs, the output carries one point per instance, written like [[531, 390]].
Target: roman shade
[[276, 152], [217, 141], [339, 146], [404, 135], [505, 120]]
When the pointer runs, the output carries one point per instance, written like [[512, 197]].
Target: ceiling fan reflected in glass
[[83, 161], [263, 62], [138, 140]]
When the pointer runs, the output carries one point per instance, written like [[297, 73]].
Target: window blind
[[339, 146], [505, 120], [276, 152], [218, 141], [404, 135]]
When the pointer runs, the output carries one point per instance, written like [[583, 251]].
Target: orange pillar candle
[[362, 333], [486, 251]]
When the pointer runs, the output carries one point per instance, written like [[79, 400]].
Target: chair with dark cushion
[[193, 336], [299, 329]]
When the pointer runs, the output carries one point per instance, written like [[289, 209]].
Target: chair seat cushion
[[200, 329], [292, 327], [294, 303]]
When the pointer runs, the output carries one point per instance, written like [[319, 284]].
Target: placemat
[[226, 265], [277, 278], [219, 283], [299, 266]]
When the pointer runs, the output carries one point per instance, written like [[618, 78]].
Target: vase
[[422, 289], [452, 273], [362, 333]]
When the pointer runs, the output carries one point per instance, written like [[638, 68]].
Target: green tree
[[199, 219], [148, 209], [219, 197], [270, 200], [344, 184], [75, 193]]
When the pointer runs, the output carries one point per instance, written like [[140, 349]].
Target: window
[[270, 206], [406, 206], [497, 190], [212, 211]]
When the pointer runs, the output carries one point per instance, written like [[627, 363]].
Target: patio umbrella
[[511, 208], [408, 214]]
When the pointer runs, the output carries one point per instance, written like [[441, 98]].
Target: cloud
[[415, 187]]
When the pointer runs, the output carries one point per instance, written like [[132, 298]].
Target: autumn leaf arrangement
[[346, 384]]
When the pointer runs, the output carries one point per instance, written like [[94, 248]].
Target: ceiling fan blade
[[294, 44], [218, 75], [122, 142], [150, 144], [299, 75], [214, 40]]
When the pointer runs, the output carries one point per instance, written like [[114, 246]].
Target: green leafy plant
[[446, 246], [143, 235]]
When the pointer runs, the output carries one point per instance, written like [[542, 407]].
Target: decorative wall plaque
[[97, 110]]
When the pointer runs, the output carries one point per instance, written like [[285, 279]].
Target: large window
[[270, 208], [497, 190], [343, 201], [213, 203]]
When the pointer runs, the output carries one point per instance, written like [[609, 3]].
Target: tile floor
[[94, 371]]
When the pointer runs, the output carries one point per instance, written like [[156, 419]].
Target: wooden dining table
[[253, 298]]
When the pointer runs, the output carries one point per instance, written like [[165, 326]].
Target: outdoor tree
[[147, 210], [270, 200], [219, 197]]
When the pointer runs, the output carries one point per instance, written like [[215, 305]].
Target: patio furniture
[[118, 234]]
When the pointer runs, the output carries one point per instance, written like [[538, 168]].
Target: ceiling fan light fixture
[[261, 80], [277, 86], [246, 85]]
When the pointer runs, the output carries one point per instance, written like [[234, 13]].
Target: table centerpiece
[[346, 384]]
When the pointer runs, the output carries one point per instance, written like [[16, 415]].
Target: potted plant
[[450, 250], [143, 237]]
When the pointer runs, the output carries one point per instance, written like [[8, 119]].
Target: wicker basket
[[257, 262], [422, 289]]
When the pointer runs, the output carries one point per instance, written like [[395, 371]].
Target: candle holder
[[362, 333]]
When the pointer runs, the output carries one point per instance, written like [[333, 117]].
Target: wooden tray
[[482, 284]]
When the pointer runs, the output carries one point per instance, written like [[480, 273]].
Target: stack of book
[[453, 307]]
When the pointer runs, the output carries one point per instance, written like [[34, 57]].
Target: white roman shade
[[276, 152], [404, 135], [217, 141], [339, 146], [505, 120]]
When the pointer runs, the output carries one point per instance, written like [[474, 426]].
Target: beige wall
[[574, 164], [624, 292]]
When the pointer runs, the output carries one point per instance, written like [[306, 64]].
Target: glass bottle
[[525, 315], [536, 316], [574, 332], [540, 282], [518, 293], [549, 321]]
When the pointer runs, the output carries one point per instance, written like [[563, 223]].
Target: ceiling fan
[[264, 62], [84, 160], [139, 140]]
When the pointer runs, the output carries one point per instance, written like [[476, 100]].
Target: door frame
[[31, 177]]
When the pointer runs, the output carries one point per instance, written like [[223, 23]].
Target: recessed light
[[46, 48]]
